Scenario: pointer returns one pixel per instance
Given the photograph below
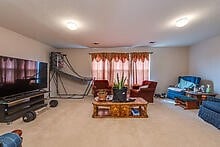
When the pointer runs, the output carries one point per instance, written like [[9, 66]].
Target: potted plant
[[119, 89]]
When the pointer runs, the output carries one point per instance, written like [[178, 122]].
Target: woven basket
[[102, 96]]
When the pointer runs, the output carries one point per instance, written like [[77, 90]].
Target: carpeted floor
[[71, 125]]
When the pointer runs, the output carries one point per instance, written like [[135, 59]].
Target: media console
[[15, 106]]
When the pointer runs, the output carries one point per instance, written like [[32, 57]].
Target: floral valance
[[134, 56], [139, 56], [110, 56]]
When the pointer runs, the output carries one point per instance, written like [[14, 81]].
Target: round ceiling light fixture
[[181, 22], [152, 42], [96, 43], [70, 24]]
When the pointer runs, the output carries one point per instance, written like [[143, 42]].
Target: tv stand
[[15, 106]]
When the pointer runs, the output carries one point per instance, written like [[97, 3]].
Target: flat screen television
[[20, 75]]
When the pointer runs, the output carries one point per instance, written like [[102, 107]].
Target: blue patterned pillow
[[183, 84]]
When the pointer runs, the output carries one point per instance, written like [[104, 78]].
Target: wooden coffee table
[[136, 109]]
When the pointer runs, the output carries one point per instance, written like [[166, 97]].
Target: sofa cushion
[[172, 92], [10, 140], [214, 106], [186, 98], [194, 79], [213, 99], [209, 116], [185, 84], [175, 89], [144, 86]]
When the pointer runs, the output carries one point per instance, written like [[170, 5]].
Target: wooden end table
[[200, 96], [103, 109]]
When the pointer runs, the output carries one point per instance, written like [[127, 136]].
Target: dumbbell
[[53, 103], [29, 116]]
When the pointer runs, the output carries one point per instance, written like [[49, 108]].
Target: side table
[[200, 96]]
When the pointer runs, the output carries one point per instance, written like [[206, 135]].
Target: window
[[120, 67], [134, 66], [99, 69], [140, 71]]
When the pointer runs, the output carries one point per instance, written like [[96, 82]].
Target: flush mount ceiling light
[[96, 43], [182, 22], [152, 42], [71, 25]]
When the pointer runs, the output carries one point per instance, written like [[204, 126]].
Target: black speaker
[[53, 103]]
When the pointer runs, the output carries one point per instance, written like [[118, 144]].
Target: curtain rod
[[122, 52]]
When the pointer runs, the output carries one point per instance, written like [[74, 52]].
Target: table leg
[[143, 111], [199, 99], [95, 111]]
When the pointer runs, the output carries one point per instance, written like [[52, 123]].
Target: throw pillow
[[183, 84], [144, 86]]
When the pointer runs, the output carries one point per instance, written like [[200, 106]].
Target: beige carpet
[[71, 125]]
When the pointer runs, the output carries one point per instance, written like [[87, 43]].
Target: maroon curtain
[[135, 66], [139, 67], [107, 65]]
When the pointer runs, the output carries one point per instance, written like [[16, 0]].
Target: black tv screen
[[20, 75]]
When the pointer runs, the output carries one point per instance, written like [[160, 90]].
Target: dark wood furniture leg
[[186, 104]]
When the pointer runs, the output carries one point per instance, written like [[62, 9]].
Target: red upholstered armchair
[[146, 90], [101, 84]]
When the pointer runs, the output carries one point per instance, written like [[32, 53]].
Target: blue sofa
[[10, 140], [189, 81], [210, 111]]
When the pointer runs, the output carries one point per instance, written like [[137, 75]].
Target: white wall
[[16, 45], [204, 59], [166, 64]]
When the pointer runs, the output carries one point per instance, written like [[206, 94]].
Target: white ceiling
[[112, 23]]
